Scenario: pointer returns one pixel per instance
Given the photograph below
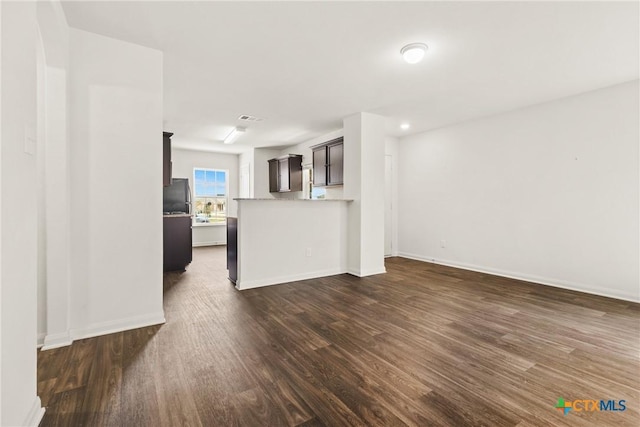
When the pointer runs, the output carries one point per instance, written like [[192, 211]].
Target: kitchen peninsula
[[284, 240]]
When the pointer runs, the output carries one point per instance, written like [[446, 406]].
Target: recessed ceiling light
[[233, 135], [405, 126], [414, 52]]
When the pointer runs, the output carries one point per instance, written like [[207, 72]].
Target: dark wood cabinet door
[[177, 242], [166, 159], [232, 248], [274, 171], [335, 161], [320, 167], [295, 173], [283, 175]]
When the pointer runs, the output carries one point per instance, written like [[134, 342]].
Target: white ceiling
[[303, 66]]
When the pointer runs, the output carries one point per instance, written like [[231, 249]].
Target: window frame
[[226, 197]]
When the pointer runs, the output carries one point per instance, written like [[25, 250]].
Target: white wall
[[53, 168], [183, 163], [391, 149], [41, 180], [116, 191], [260, 171], [364, 150], [246, 159], [1, 173], [19, 404], [283, 240], [547, 193]]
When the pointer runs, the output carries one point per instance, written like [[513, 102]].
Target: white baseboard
[[52, 341], [365, 273], [120, 325], [556, 283], [35, 414], [198, 244], [103, 328], [41, 336], [242, 285]]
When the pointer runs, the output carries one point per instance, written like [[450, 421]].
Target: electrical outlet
[[443, 244], [308, 251]]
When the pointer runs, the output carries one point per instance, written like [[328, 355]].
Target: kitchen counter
[[176, 215], [297, 200], [276, 242]]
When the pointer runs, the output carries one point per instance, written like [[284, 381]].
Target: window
[[210, 196], [318, 192]]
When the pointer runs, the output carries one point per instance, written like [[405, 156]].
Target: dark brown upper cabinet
[[328, 163], [166, 158], [285, 174]]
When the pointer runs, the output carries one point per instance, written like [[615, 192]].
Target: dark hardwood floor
[[421, 345]]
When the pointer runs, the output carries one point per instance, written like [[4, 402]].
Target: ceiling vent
[[247, 118]]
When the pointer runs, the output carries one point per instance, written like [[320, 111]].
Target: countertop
[[177, 215], [297, 200]]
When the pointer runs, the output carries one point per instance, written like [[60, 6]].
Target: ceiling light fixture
[[405, 126], [414, 52], [234, 134]]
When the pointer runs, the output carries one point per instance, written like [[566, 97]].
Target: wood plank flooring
[[422, 345]]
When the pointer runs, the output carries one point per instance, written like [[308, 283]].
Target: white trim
[[52, 341], [244, 284], [41, 336], [1, 203], [198, 244], [365, 273], [210, 224], [35, 413], [113, 326], [556, 283], [103, 328]]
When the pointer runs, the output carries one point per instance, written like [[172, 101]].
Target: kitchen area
[[177, 218], [290, 213], [292, 234], [198, 191]]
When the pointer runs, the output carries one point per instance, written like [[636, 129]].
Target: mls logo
[[563, 406], [591, 405]]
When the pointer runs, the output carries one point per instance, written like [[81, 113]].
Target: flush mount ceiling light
[[405, 126], [414, 52], [230, 139]]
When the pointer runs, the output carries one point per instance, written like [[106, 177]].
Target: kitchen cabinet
[[232, 248], [285, 174], [177, 242], [166, 158], [328, 163]]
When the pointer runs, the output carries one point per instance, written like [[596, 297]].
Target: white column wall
[[391, 149], [116, 192], [364, 149], [54, 293], [19, 405], [1, 170], [246, 158]]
